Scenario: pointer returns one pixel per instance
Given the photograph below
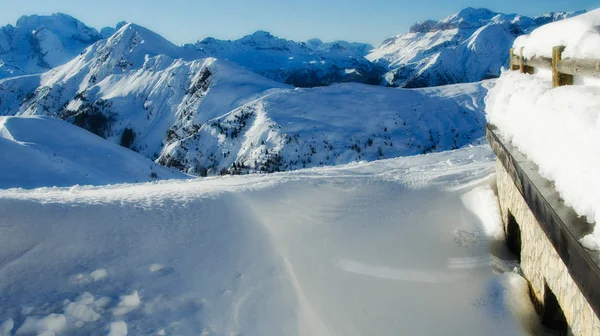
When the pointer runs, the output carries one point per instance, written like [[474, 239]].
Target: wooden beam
[[558, 78], [539, 62], [579, 67]]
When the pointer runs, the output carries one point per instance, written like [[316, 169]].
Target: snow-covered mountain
[[465, 47], [332, 125], [302, 64], [141, 91], [137, 82], [42, 151], [39, 43]]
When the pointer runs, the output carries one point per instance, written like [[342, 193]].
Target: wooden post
[[559, 79], [522, 67], [512, 65]]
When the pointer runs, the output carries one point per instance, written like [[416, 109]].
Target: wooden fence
[[563, 70]]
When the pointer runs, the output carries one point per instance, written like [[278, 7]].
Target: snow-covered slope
[[42, 151], [465, 47], [333, 125], [39, 43], [393, 246], [303, 64], [208, 113]]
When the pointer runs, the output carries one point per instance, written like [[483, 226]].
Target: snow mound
[[42, 151], [580, 35]]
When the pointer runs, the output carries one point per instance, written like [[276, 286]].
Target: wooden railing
[[563, 70]]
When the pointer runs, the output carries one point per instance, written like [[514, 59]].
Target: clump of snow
[[580, 35], [118, 328], [128, 303], [80, 312], [35, 325], [482, 201], [98, 274], [559, 130], [6, 327]]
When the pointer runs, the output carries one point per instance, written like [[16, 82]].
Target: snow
[[56, 323], [482, 201], [580, 35], [43, 151], [118, 328], [358, 249], [559, 130]]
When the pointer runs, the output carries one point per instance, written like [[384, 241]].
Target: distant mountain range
[[303, 64], [465, 47]]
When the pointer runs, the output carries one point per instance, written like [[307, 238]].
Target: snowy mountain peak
[[259, 34], [38, 43], [106, 32]]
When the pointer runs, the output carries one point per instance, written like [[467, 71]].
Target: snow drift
[[391, 245]]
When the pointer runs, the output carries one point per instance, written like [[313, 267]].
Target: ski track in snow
[[380, 248]]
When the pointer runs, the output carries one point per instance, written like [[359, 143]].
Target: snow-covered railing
[[563, 70]]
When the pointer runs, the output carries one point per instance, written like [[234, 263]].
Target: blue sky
[[184, 21]]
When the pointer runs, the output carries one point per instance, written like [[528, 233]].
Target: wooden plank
[[539, 62], [580, 67]]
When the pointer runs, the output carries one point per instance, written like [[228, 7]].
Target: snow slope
[[39, 43], [465, 47], [303, 64], [363, 249], [196, 114], [41, 151]]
